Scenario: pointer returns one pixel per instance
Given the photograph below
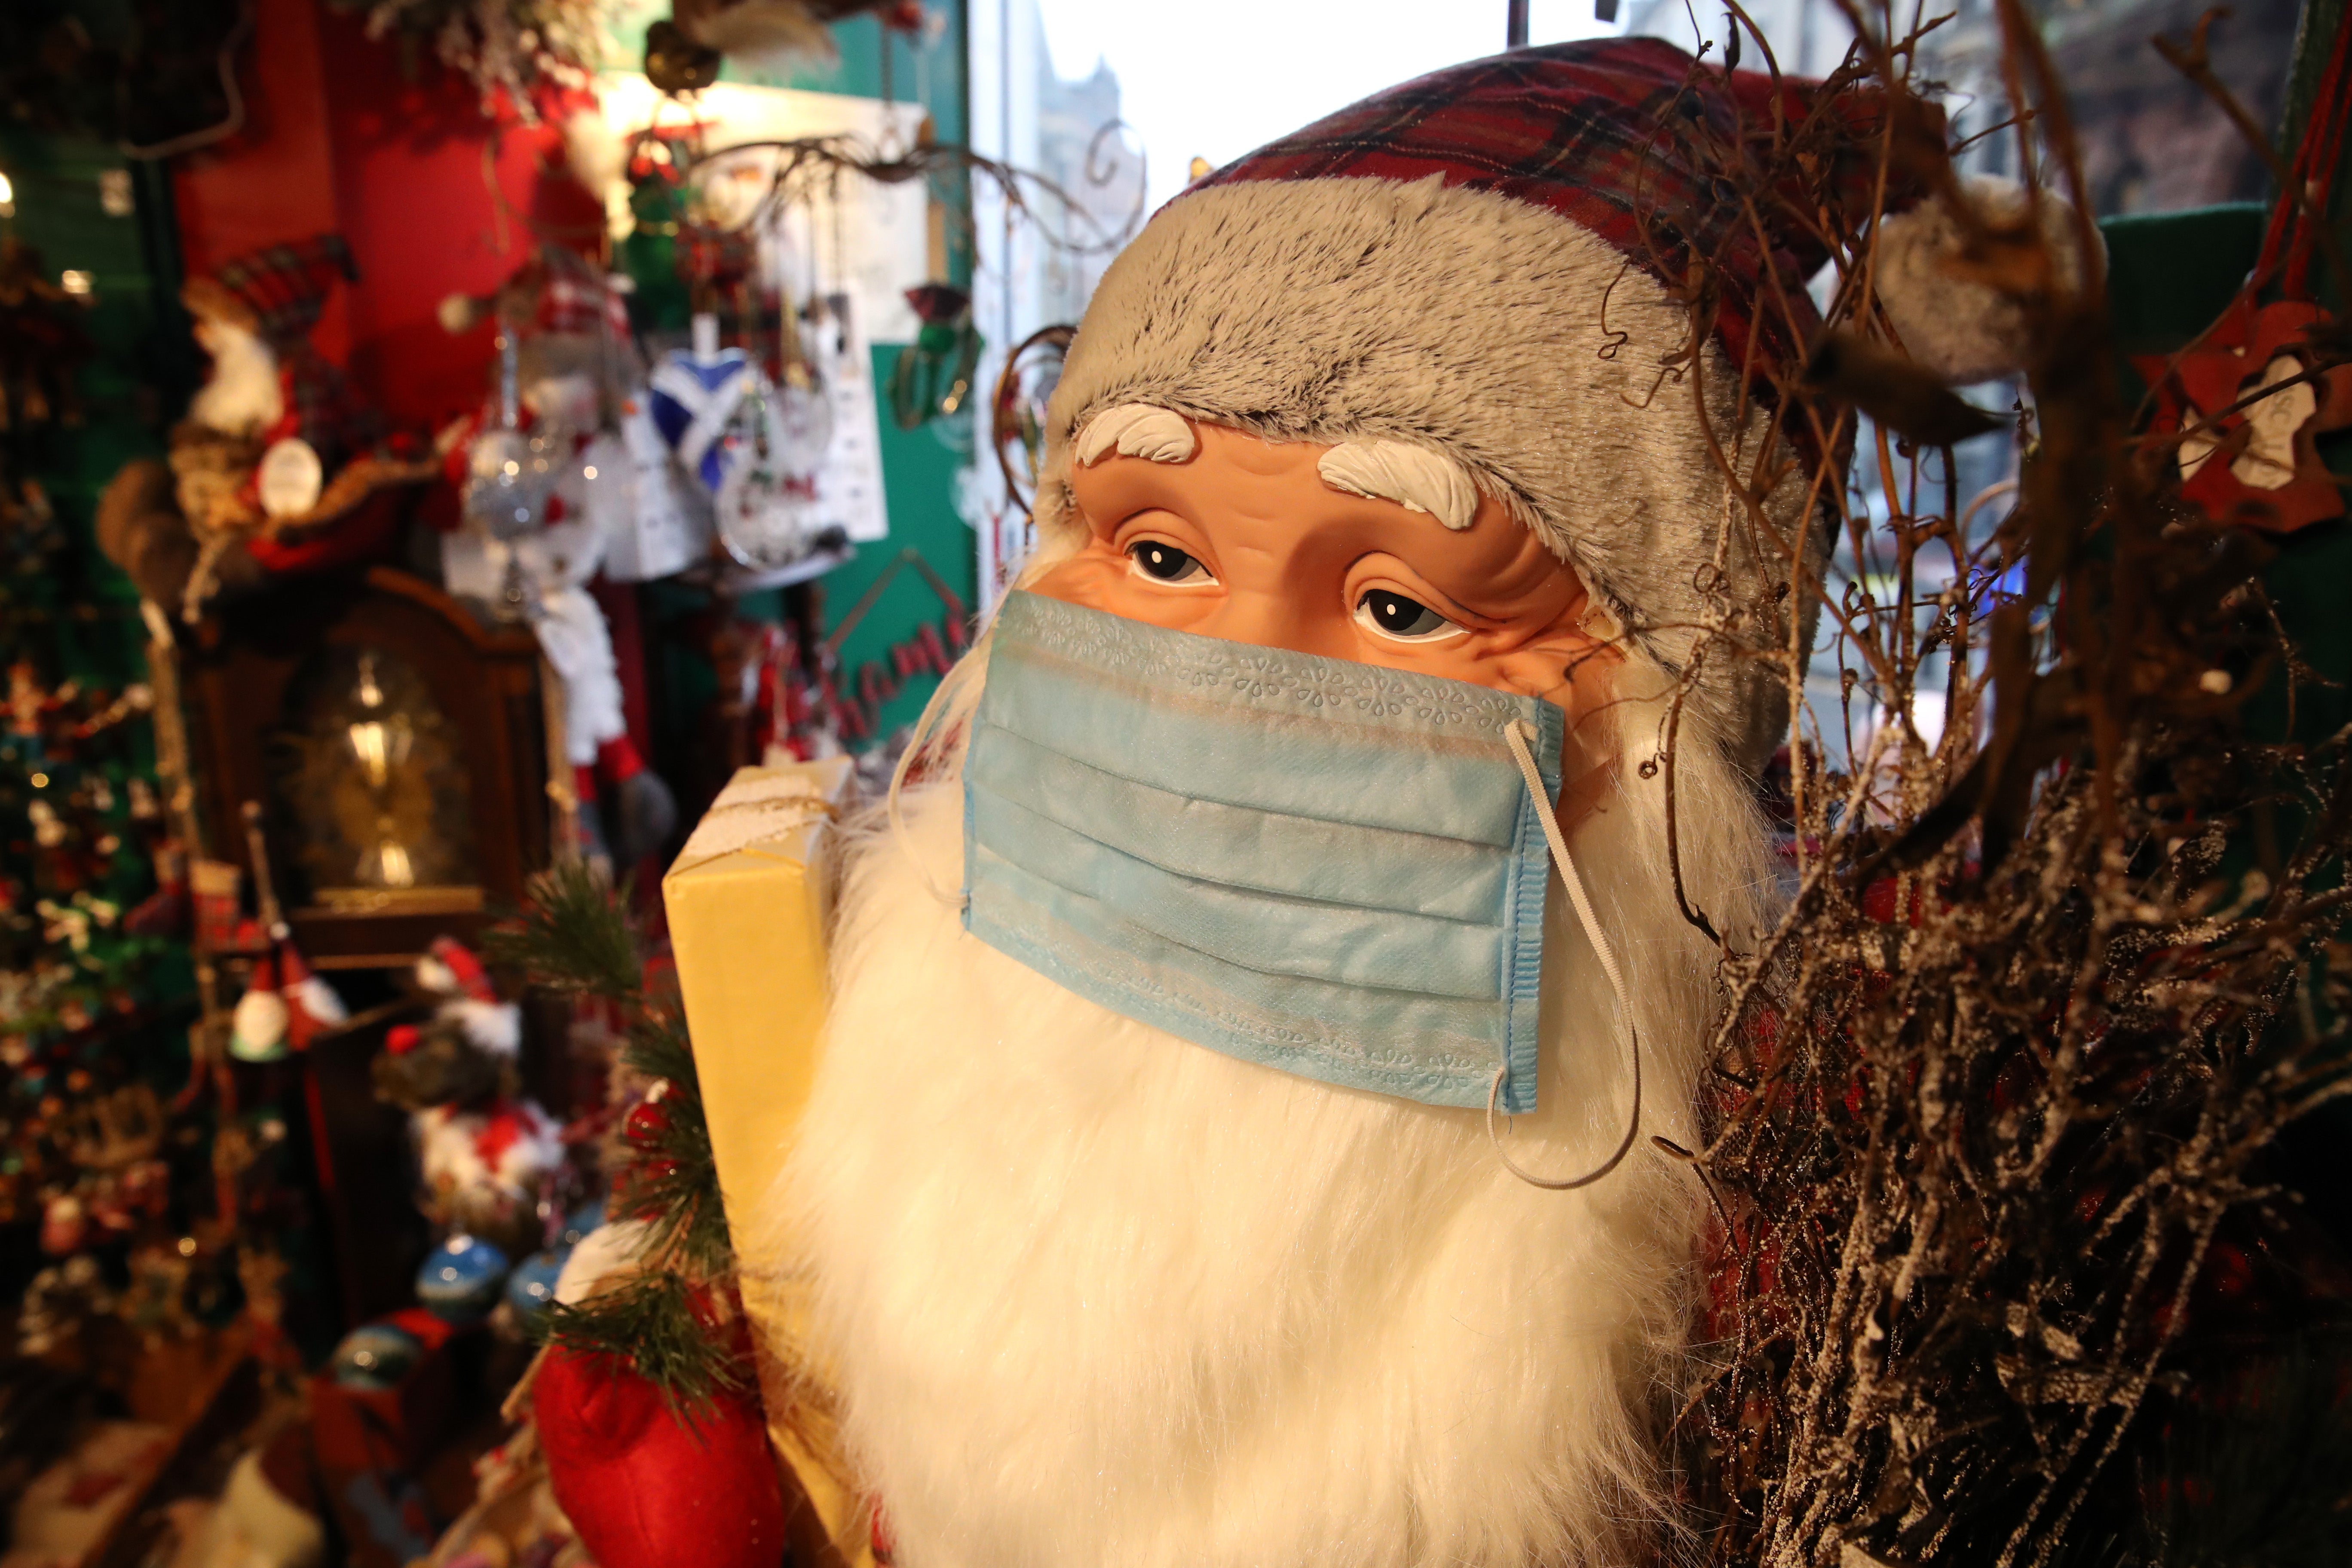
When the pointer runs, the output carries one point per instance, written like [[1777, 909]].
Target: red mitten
[[642, 1488]]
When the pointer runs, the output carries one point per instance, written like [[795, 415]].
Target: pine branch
[[659, 1048], [672, 1180], [662, 1327], [574, 937]]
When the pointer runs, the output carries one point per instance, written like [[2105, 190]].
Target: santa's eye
[[1163, 563], [1391, 614]]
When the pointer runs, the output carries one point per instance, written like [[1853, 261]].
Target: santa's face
[[1248, 541], [1252, 542]]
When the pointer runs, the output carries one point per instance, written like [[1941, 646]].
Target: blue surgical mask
[[1332, 868]]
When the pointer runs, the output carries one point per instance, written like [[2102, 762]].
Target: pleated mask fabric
[[1327, 868]]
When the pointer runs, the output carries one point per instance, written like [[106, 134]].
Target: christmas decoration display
[[486, 1151], [93, 986], [1532, 933], [280, 465], [561, 467]]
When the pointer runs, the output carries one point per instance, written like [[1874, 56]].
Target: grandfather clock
[[395, 743]]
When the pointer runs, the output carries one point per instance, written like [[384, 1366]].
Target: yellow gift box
[[749, 900]]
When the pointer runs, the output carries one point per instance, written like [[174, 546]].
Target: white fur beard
[[1094, 1295], [243, 394]]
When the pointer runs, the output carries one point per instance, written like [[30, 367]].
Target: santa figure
[[484, 1149], [1238, 1139], [286, 1005], [280, 466]]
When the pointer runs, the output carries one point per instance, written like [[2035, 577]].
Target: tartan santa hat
[[1495, 263], [276, 292], [558, 290], [449, 968], [567, 316]]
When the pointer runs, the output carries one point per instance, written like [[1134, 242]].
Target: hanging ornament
[[2250, 398], [530, 1288], [765, 508], [512, 472], [461, 1279], [693, 396], [376, 1356], [2246, 403], [932, 375], [754, 443], [262, 1021]]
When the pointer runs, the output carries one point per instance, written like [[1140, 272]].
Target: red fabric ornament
[[2260, 466], [642, 1488], [645, 1124]]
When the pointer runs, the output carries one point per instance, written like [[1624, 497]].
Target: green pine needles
[[658, 1324], [575, 938]]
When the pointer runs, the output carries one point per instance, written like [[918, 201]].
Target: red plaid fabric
[[1623, 137], [571, 294], [285, 286], [323, 408]]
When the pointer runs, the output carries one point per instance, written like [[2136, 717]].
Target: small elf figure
[[284, 1007], [280, 465], [486, 1149]]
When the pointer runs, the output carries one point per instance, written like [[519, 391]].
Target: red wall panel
[[393, 149]]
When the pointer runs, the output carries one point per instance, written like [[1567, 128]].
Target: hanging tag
[[289, 477]]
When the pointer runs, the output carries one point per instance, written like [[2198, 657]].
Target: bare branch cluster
[[2047, 982]]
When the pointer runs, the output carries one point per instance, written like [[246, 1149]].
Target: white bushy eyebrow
[[1138, 430], [1413, 477]]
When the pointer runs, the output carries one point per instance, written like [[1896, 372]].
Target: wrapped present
[[749, 901]]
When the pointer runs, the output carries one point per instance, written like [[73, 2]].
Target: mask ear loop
[[1518, 736], [898, 834]]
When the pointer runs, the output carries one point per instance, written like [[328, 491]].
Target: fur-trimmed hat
[[1494, 262], [276, 292]]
